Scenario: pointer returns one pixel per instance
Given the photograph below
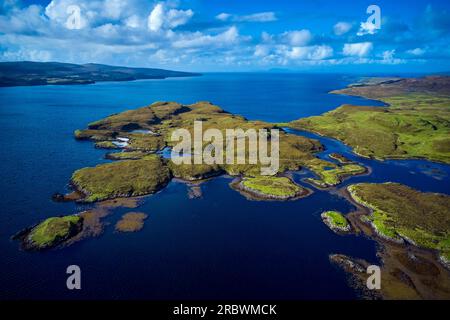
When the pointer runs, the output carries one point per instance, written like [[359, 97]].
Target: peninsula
[[27, 73], [416, 124]]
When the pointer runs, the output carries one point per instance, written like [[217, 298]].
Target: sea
[[218, 246]]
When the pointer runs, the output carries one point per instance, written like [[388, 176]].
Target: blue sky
[[232, 35]]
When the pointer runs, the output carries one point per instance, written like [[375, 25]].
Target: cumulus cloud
[[290, 47], [360, 49], [297, 37], [416, 52], [366, 28], [341, 28], [311, 52], [388, 57], [254, 17], [223, 16], [167, 33], [199, 39], [160, 17]]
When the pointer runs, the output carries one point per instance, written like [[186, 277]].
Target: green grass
[[331, 174], [272, 186], [129, 155], [164, 118], [402, 212], [194, 171], [415, 125], [52, 230], [145, 142], [106, 145], [340, 158], [334, 176], [125, 178], [96, 135], [336, 219], [122, 179]]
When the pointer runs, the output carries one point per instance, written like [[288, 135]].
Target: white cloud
[[416, 52], [389, 57], [254, 17], [133, 21], [114, 8], [297, 37], [360, 49], [311, 52], [71, 14], [258, 17], [341, 28], [366, 28], [26, 20], [261, 51], [199, 39], [266, 37], [161, 18], [223, 16], [156, 18], [26, 55], [145, 33]]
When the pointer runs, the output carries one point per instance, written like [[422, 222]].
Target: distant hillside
[[25, 73]]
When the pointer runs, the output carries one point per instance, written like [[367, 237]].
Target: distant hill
[[26, 73]]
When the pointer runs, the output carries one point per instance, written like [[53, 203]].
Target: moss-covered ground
[[52, 231], [122, 179], [281, 187], [160, 120], [335, 220], [415, 125], [400, 212], [130, 155]]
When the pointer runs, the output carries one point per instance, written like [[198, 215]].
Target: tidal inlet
[[189, 155]]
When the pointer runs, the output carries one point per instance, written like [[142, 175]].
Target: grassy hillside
[[415, 125]]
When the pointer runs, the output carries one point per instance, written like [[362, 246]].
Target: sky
[[231, 35]]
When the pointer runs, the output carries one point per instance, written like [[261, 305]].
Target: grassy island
[[149, 129], [52, 232], [281, 188], [415, 125], [122, 179], [335, 221], [402, 213], [331, 175]]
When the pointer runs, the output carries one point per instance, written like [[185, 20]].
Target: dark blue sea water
[[218, 246]]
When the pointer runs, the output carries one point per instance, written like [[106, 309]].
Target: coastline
[[400, 259]]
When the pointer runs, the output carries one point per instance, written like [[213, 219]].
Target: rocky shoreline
[[400, 260], [342, 226]]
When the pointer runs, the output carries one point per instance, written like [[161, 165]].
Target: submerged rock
[[131, 222]]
